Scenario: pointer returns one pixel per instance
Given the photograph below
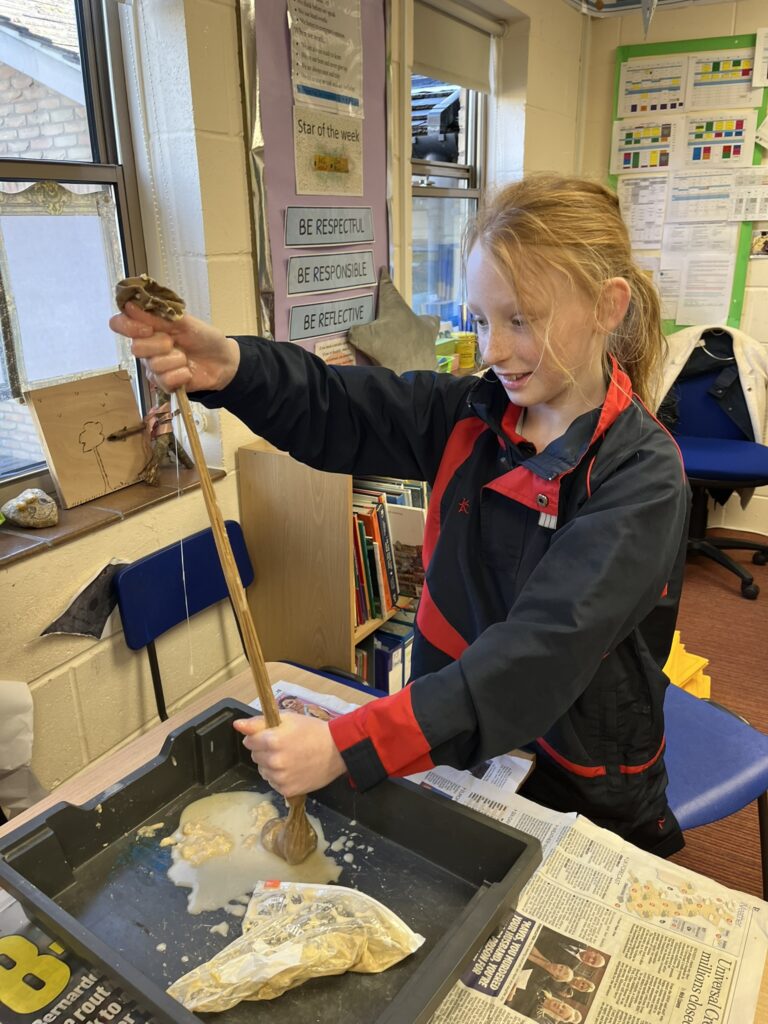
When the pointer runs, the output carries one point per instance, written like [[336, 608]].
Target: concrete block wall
[[606, 34]]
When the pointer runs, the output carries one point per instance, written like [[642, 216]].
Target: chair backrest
[[159, 590], [699, 413]]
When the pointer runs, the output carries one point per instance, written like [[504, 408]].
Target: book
[[361, 596], [381, 582], [400, 635], [395, 491], [407, 534], [369, 600], [368, 514], [414, 492], [365, 652], [374, 572], [377, 500], [382, 511], [388, 658]]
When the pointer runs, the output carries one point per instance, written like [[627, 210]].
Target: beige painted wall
[[720, 19]]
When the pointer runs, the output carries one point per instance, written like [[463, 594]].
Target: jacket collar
[[489, 402]]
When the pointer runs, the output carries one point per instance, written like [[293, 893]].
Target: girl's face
[[549, 353]]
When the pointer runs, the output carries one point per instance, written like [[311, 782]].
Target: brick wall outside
[[36, 123], [39, 124], [18, 437]]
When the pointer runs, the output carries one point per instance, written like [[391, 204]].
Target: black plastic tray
[[85, 876]]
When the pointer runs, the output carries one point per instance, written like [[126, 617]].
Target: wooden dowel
[[229, 566], [298, 839]]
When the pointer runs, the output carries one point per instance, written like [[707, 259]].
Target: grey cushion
[[397, 338]]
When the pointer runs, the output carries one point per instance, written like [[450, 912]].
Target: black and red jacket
[[552, 578]]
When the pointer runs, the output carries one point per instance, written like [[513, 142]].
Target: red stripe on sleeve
[[457, 450], [435, 628], [391, 726]]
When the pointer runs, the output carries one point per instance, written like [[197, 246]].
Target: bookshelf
[[297, 524]]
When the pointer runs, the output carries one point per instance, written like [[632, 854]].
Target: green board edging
[[624, 53]]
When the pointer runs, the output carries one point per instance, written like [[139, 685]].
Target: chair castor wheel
[[750, 591], [759, 558]]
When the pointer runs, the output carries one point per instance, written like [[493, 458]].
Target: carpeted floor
[[718, 623]]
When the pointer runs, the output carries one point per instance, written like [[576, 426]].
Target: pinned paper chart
[[642, 199], [715, 139], [651, 85], [643, 145], [722, 79], [704, 195]]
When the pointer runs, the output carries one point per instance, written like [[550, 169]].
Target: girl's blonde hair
[[574, 225]]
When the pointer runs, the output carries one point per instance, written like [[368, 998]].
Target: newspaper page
[[486, 787], [43, 983], [607, 934]]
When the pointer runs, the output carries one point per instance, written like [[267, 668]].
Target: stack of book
[[383, 659], [388, 519]]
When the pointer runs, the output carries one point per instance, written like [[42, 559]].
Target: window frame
[[472, 173], [113, 163]]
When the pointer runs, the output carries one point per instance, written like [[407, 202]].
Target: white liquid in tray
[[219, 857]]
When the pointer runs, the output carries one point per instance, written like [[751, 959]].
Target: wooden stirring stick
[[291, 838]]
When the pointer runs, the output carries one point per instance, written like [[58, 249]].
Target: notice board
[[689, 171], [325, 167]]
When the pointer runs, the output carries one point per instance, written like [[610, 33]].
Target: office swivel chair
[[717, 763], [718, 448], [162, 589]]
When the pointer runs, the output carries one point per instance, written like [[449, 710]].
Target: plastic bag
[[293, 931]]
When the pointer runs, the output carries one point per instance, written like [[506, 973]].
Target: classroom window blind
[[453, 47]]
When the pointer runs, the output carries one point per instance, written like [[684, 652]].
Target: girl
[[556, 529]]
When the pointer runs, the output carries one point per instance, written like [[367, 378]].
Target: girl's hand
[[185, 352], [295, 757]]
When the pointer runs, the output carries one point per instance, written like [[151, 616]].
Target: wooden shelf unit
[[297, 524]]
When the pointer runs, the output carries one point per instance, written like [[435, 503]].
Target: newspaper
[[603, 933], [607, 934], [43, 983]]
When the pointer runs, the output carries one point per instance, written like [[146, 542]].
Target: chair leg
[[709, 550], [732, 544], [762, 817], [157, 684]]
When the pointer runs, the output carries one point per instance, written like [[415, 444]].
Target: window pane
[[42, 111], [60, 257], [438, 227], [20, 449], [438, 120]]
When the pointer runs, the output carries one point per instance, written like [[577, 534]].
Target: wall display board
[[322, 92], [686, 164]]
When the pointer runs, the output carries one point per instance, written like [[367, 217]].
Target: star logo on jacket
[[464, 506]]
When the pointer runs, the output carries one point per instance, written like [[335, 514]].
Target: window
[[69, 225], [452, 57], [445, 167]]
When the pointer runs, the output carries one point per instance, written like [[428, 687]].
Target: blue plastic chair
[[717, 763], [161, 590], [717, 454]]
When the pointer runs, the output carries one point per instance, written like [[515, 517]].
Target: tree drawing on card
[[75, 421]]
